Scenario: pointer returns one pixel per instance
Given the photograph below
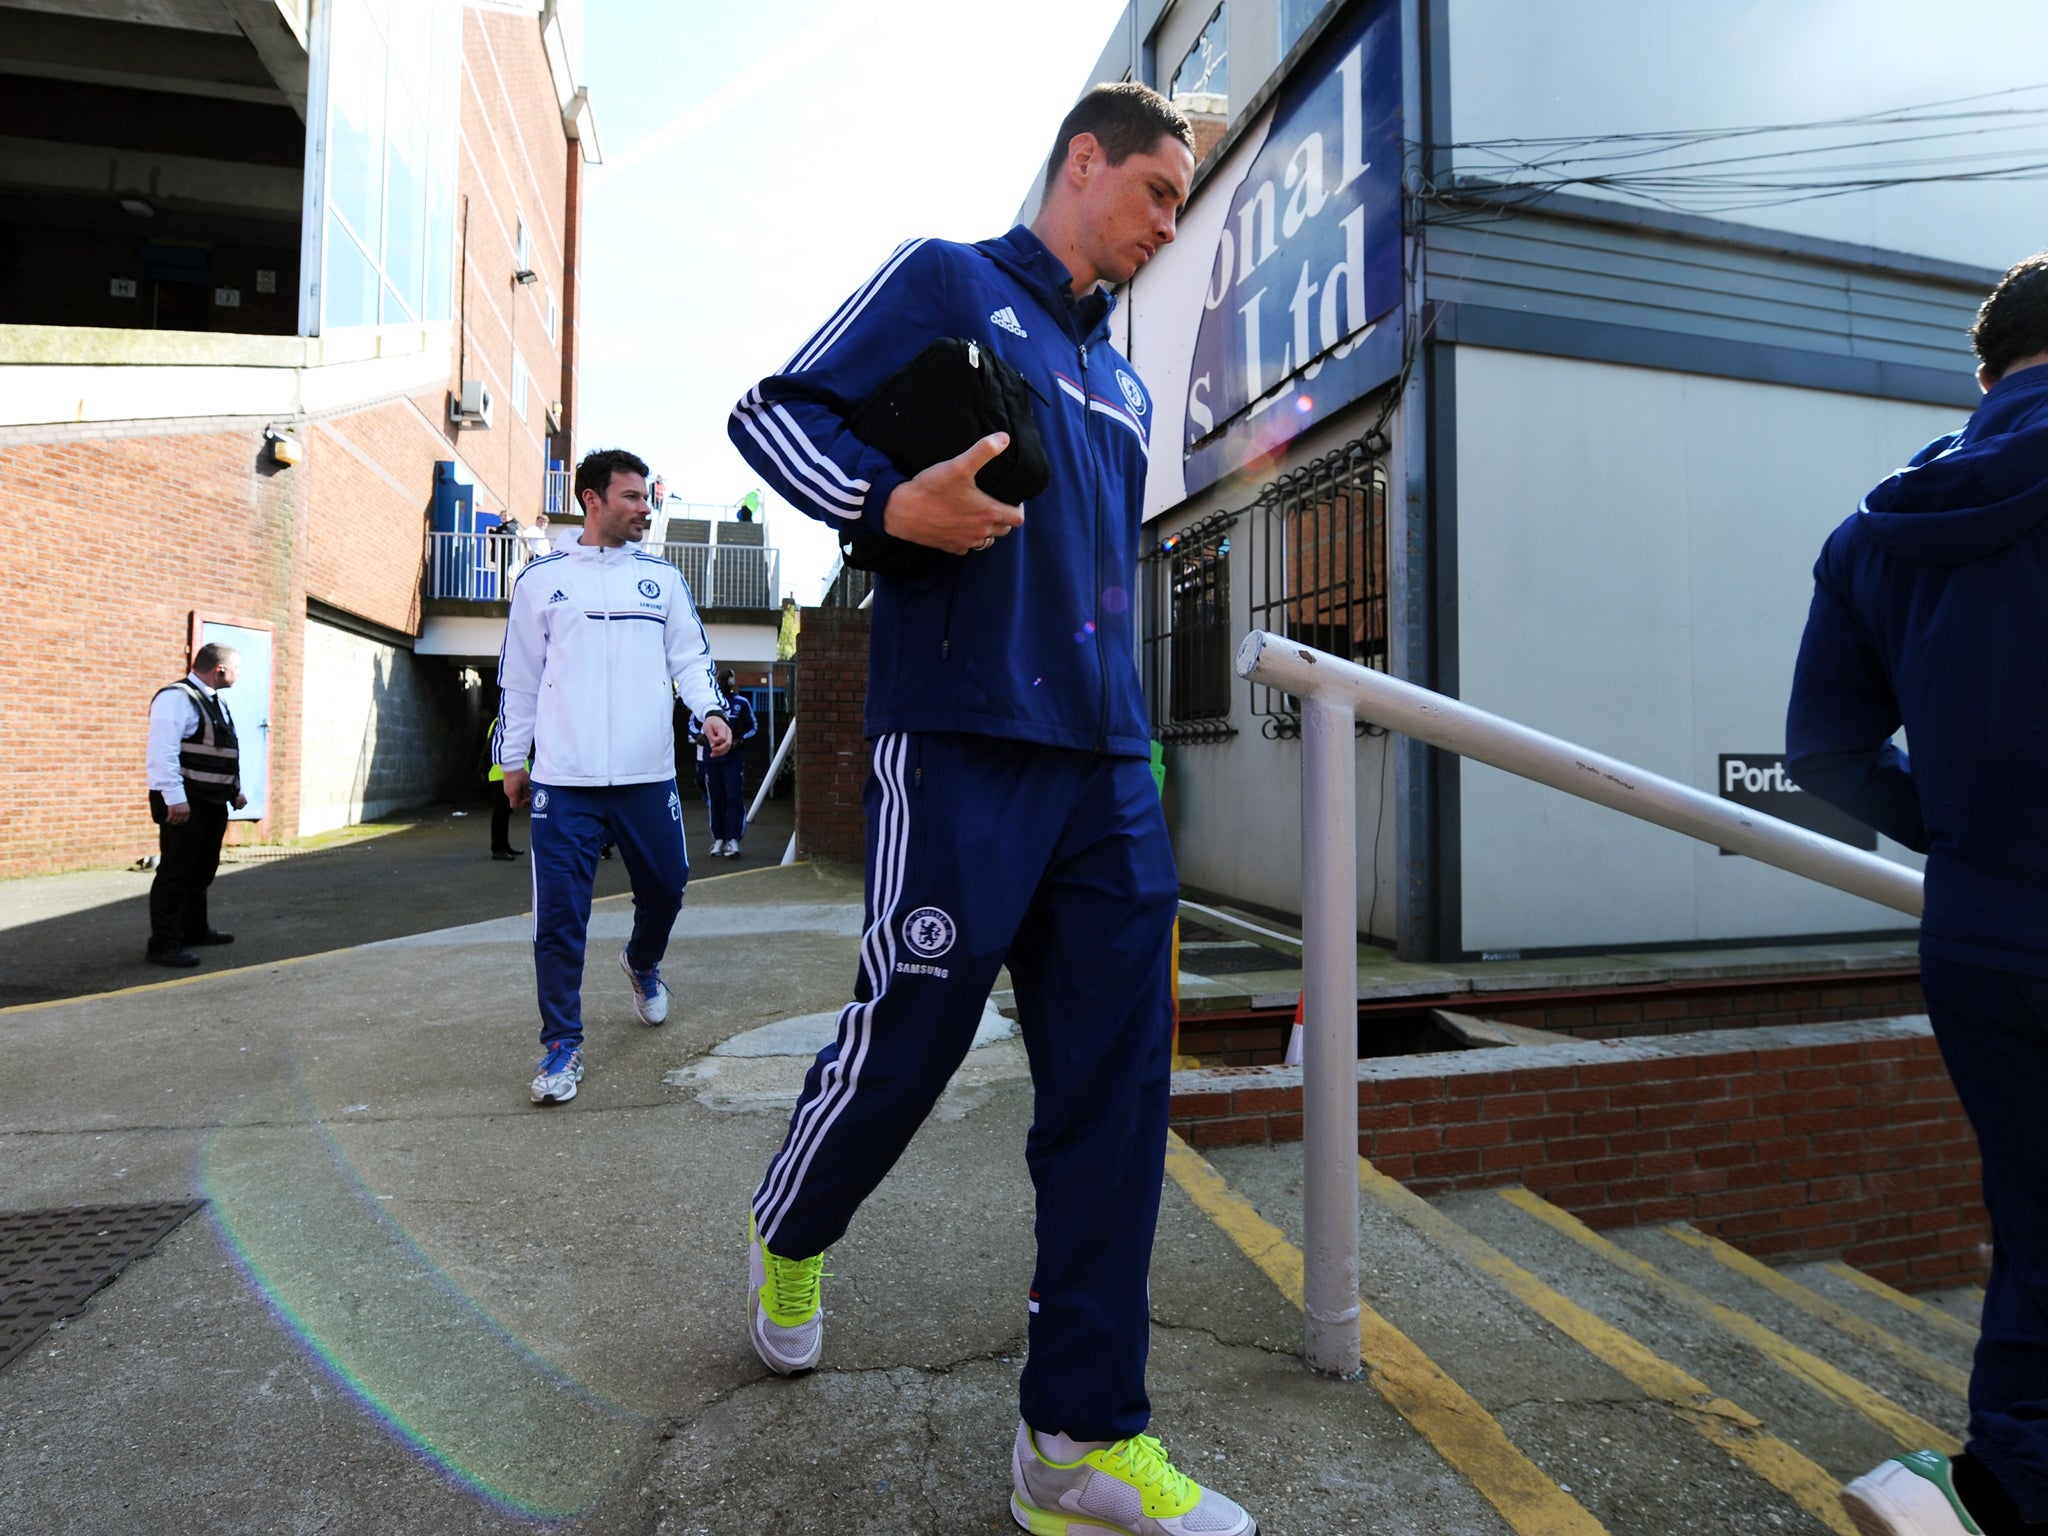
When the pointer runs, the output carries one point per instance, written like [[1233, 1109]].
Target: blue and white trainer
[[650, 994], [560, 1071]]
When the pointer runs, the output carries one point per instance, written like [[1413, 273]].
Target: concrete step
[[1640, 1381]]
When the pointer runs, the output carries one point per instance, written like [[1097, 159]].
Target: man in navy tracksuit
[[600, 640], [1011, 811], [1928, 613], [725, 777]]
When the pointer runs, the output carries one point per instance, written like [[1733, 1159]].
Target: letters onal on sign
[[1303, 307]]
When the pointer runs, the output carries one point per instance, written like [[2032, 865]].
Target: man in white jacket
[[600, 639]]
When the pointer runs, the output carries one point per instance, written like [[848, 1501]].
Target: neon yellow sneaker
[[785, 1313], [1128, 1486]]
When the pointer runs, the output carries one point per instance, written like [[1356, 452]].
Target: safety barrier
[[1335, 694]]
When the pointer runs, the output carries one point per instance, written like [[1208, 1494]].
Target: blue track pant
[[725, 777], [567, 828], [982, 851], [1992, 1027]]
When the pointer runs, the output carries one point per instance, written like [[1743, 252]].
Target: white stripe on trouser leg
[[853, 1019], [841, 1079]]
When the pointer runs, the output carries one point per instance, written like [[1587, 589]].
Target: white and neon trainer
[[785, 1307], [1910, 1495], [1127, 1486]]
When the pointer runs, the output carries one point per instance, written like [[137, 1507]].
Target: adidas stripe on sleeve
[[791, 427]]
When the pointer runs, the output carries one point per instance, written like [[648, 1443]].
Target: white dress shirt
[[172, 717]]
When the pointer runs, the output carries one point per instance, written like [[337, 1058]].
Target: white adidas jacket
[[593, 640]]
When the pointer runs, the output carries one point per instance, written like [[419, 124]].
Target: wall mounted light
[[285, 448], [525, 275]]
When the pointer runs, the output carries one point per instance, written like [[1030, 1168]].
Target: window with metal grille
[[1318, 556], [1188, 641]]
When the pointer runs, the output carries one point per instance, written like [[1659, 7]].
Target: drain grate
[[51, 1262]]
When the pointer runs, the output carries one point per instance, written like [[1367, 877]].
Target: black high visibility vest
[[209, 758]]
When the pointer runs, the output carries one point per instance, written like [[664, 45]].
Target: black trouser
[[501, 818], [188, 856]]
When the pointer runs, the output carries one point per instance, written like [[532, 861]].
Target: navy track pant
[[1992, 1027], [982, 851], [725, 778], [566, 829]]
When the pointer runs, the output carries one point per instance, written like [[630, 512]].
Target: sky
[[761, 160]]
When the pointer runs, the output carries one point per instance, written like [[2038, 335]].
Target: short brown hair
[[2013, 322], [1127, 119], [596, 471]]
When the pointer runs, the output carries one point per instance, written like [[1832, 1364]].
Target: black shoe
[[605, 852], [211, 936], [173, 955], [505, 853]]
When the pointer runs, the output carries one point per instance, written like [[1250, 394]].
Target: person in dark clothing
[[194, 777], [1927, 614], [1011, 815], [725, 777]]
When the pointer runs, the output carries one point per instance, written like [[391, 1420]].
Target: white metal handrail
[[1336, 693], [774, 767]]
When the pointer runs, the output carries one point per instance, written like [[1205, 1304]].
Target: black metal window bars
[[1318, 562]]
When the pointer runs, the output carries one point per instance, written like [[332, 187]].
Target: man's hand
[[240, 801], [718, 735], [177, 815], [518, 786], [944, 509]]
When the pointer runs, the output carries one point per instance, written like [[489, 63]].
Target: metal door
[[248, 705]]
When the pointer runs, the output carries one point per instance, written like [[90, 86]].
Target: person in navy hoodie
[[1011, 813], [1927, 614]]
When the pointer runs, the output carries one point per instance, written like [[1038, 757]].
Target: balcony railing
[[727, 575], [473, 567], [555, 494], [479, 567]]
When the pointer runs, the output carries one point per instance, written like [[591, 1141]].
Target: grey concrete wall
[[383, 729]]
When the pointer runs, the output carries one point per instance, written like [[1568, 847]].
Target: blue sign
[[1302, 314]]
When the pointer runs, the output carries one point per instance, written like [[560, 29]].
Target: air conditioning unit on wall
[[470, 406]]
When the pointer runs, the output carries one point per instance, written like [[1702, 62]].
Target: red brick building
[[253, 257]]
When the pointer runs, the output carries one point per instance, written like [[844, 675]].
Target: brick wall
[[1247, 1037], [1793, 1142], [831, 750], [99, 608]]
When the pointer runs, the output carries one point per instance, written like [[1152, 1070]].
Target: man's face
[[224, 673], [1129, 211], [621, 517]]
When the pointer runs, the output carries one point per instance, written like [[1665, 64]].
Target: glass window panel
[[410, 32], [437, 300], [1295, 15], [355, 140], [351, 292], [1205, 71], [405, 203]]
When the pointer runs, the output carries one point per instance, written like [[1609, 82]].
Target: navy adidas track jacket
[[1031, 639]]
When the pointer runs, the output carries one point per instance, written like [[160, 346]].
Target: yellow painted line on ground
[[1854, 1324], [1910, 1430], [1926, 1311], [1721, 1423], [1449, 1417]]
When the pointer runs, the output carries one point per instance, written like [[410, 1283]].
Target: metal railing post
[[774, 767], [1329, 1073]]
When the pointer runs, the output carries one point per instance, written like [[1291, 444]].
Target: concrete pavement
[[416, 1303]]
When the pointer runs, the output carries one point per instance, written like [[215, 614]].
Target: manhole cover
[[51, 1262]]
